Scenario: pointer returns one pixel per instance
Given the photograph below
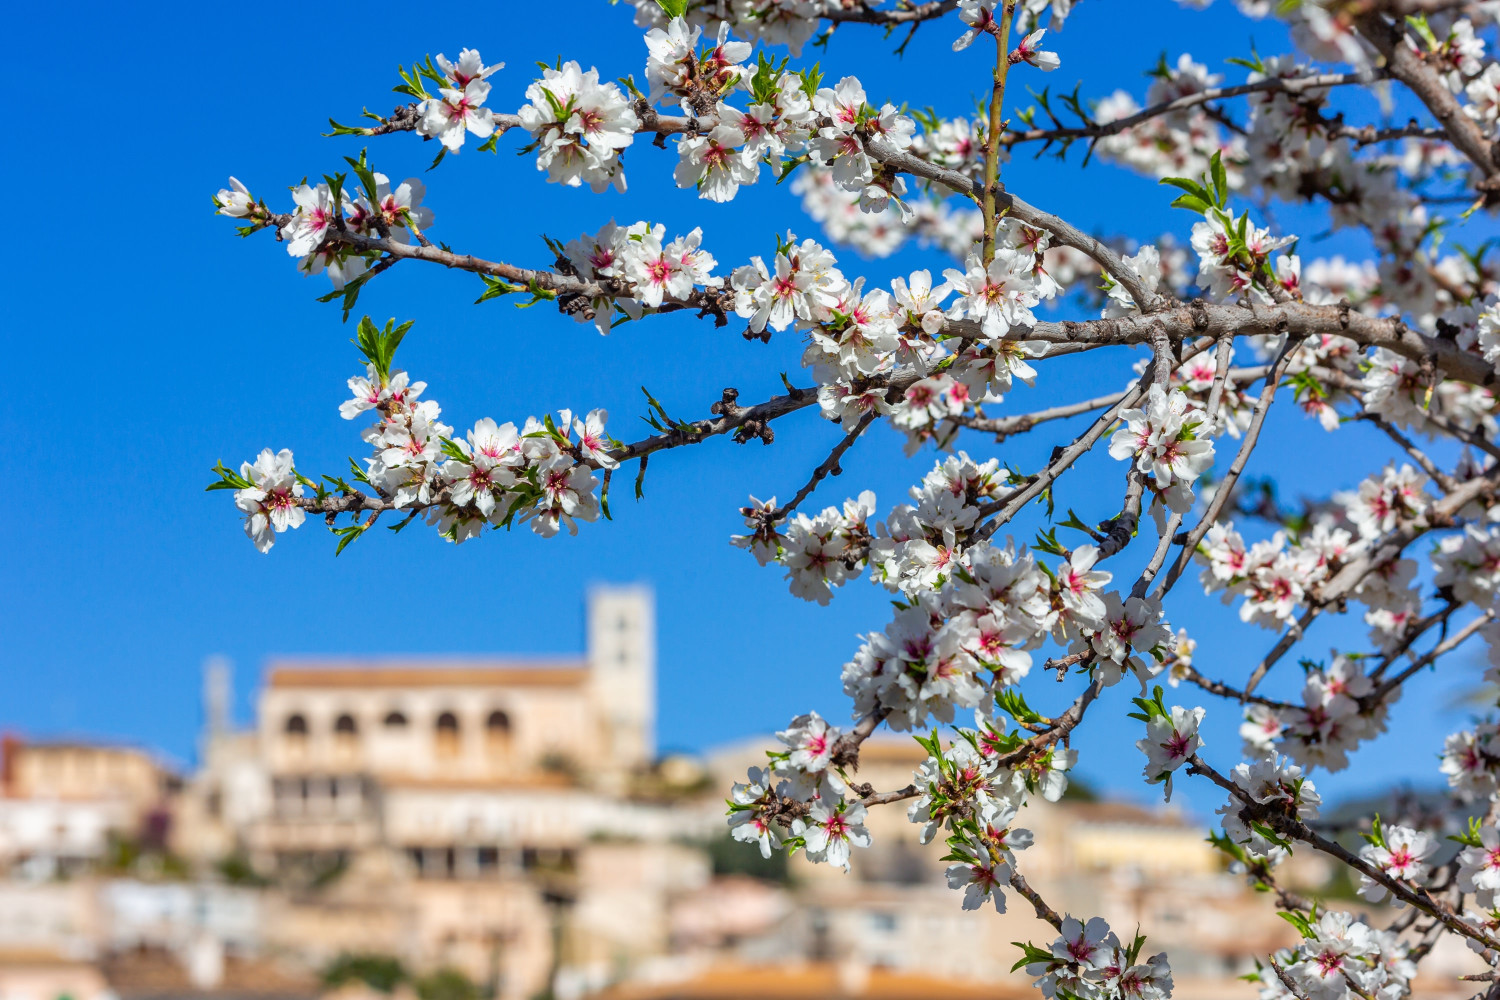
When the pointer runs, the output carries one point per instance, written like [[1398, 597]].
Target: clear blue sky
[[147, 342]]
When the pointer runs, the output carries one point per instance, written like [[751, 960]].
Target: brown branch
[[1406, 64], [1058, 728], [1192, 676], [830, 466], [1444, 481], [1043, 911], [881, 798], [1289, 825], [1099, 130], [846, 750], [1287, 980], [859, 12], [1064, 457], [1000, 28], [1236, 468], [1442, 648]]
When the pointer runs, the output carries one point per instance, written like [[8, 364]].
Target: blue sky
[[148, 342]]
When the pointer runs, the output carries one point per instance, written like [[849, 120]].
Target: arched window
[[345, 736], [296, 725], [447, 744], [395, 719], [497, 737]]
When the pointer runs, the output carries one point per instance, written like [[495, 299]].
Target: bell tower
[[622, 671]]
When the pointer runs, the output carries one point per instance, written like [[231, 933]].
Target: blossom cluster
[[1340, 709], [1339, 954], [394, 213], [1089, 961], [495, 475], [802, 799], [860, 338], [1171, 738], [1269, 787], [458, 110], [1276, 576], [642, 269], [1161, 439], [969, 608]]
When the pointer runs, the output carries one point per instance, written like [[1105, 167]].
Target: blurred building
[[60, 803], [505, 825]]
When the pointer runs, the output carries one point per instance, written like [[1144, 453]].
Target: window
[[296, 725], [497, 735], [395, 719], [447, 744], [345, 736]]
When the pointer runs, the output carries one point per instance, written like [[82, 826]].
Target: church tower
[[622, 671]]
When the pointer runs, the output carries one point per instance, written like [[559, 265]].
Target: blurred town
[[502, 828]]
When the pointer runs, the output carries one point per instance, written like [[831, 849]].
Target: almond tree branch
[[1442, 648], [1291, 826], [861, 12], [1063, 457], [1232, 476], [1043, 911], [1405, 64], [1289, 85], [1439, 515], [1000, 28], [830, 466]]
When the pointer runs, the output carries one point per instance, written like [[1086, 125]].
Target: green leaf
[[1418, 23], [1014, 705], [379, 345], [811, 78], [674, 8], [1192, 203], [1190, 186], [495, 287], [228, 479], [453, 450], [1299, 921], [345, 130], [1030, 953], [347, 535], [366, 176]]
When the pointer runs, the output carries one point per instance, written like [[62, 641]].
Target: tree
[[379, 972], [1402, 346]]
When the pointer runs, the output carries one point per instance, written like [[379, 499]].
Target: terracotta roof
[[150, 973], [815, 981], [319, 673]]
